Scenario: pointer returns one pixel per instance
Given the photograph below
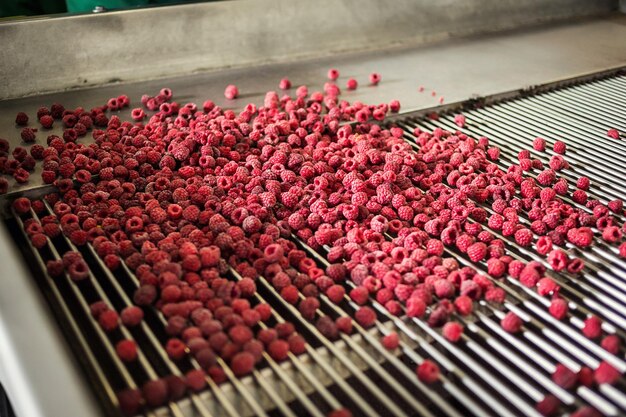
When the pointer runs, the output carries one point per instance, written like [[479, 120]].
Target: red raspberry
[[546, 177], [612, 234], [558, 260], [559, 147], [351, 84], [524, 237], [344, 324], [196, 379], [558, 308], [390, 341], [129, 401], [415, 307], [452, 331], [477, 251], [242, 363], [616, 206], [231, 92], [342, 412], [428, 372], [46, 121], [611, 344], [583, 183], [175, 349], [585, 376], [564, 377], [544, 245], [549, 406], [109, 320], [495, 295], [155, 393], [511, 322], [495, 267], [126, 350], [359, 295], [464, 305], [131, 316], [78, 270], [547, 286], [21, 205], [21, 119], [297, 344], [579, 196], [593, 327], [336, 293], [459, 120], [539, 144], [240, 334], [375, 78], [365, 316], [613, 133], [278, 350], [606, 373]]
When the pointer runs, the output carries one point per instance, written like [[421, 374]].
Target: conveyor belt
[[490, 372]]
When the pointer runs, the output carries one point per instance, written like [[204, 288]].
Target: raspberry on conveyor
[[192, 192]]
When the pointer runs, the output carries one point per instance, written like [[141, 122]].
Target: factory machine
[[505, 298]]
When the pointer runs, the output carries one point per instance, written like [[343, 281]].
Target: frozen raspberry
[[581, 237], [351, 84], [126, 350], [297, 344], [593, 327], [606, 373], [365, 316], [495, 267], [176, 387], [129, 401], [613, 133], [131, 316], [242, 363], [155, 393], [452, 331], [231, 92], [21, 205], [559, 147], [511, 322], [78, 270], [611, 344], [308, 307], [46, 121], [611, 234], [524, 237], [464, 305], [336, 293], [549, 406], [109, 320], [344, 324], [390, 341], [564, 377], [616, 206], [585, 376], [415, 307], [539, 144], [583, 183], [547, 286], [175, 349], [278, 350], [558, 308], [558, 260], [477, 251], [195, 379], [428, 372], [342, 412], [359, 295], [21, 119]]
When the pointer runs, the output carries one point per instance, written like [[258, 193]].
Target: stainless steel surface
[[200, 37], [499, 62], [34, 355]]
